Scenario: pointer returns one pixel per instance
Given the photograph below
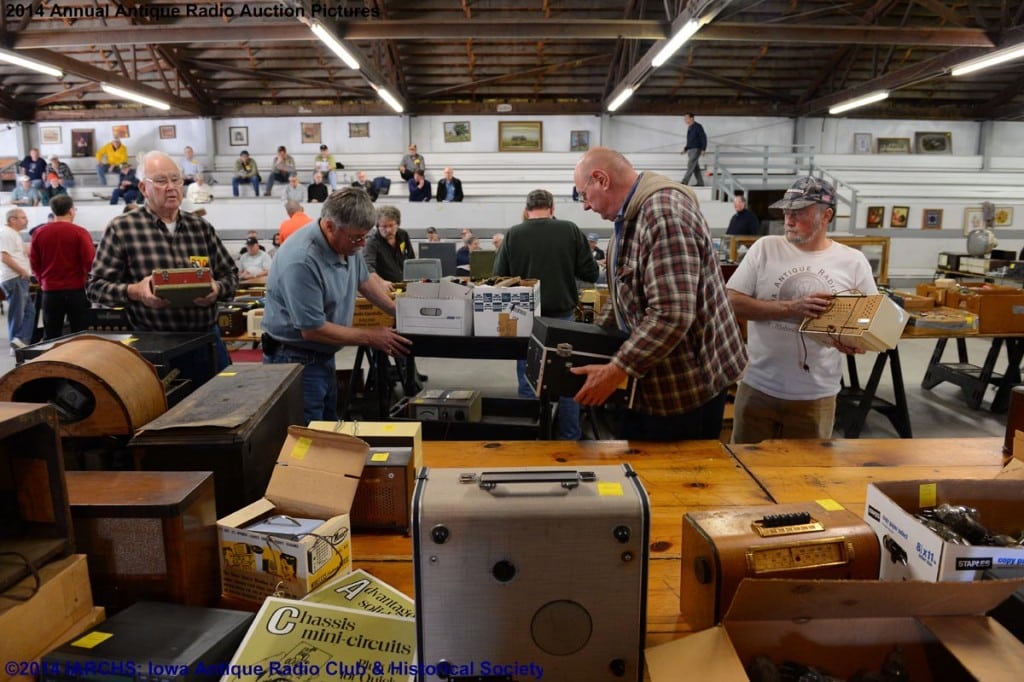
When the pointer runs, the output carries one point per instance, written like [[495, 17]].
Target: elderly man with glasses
[[159, 236], [311, 293]]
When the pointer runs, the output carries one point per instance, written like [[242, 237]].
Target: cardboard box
[[932, 291], [368, 315], [890, 509], [442, 308], [914, 303], [842, 627], [506, 310], [382, 434], [315, 477], [1000, 309]]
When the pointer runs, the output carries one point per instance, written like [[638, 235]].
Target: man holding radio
[[789, 388]]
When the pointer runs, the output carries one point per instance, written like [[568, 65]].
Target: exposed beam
[[811, 34], [941, 10], [540, 70], [73, 91], [1001, 98], [740, 85], [263, 74]]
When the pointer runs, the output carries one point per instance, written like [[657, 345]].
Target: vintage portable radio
[[384, 497], [806, 540], [443, 405], [950, 261], [538, 565], [181, 286], [869, 323], [231, 320], [556, 346]]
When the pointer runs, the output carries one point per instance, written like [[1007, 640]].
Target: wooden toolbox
[[1000, 309], [233, 425]]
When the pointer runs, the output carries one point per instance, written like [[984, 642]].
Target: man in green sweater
[[555, 252]]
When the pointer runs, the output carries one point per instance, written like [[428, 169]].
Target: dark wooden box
[[233, 425], [149, 535], [35, 522]]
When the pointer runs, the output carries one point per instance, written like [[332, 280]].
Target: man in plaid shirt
[[158, 236], [684, 346]]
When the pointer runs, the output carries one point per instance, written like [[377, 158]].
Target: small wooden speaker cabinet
[[385, 491]]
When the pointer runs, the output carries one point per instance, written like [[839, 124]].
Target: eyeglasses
[[357, 240], [164, 181], [583, 192]]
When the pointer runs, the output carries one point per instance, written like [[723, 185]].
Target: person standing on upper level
[[696, 145]]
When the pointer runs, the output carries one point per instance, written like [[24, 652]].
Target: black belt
[[272, 346]]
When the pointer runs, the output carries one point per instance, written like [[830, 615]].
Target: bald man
[[684, 346], [450, 187]]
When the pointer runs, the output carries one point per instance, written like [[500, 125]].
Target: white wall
[[835, 135]]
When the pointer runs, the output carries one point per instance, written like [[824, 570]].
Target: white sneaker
[[16, 344]]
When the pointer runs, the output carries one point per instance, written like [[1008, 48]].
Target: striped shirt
[[137, 243]]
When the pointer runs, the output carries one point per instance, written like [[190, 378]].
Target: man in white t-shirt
[[254, 262], [790, 385], [15, 274]]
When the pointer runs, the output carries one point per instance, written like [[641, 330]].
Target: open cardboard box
[[843, 626], [315, 477], [890, 509], [506, 309], [442, 308]]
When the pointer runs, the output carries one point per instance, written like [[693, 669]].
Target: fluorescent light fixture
[[390, 99], [988, 60], [676, 42], [859, 102], [621, 99], [134, 96], [17, 60], [330, 41]]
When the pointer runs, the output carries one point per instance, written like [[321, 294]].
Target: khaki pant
[[759, 416]]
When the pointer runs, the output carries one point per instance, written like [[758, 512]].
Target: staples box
[[506, 310], [841, 627], [910, 551], [315, 477], [368, 315]]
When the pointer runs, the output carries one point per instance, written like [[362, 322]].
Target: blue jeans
[[21, 313], [319, 381], [568, 409], [101, 172], [129, 195], [250, 181]]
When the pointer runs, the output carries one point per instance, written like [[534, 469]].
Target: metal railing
[[743, 167]]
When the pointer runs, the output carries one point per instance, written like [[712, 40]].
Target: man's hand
[[812, 305], [142, 291], [849, 350], [388, 340], [210, 298], [602, 380]]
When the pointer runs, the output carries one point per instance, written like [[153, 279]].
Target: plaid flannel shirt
[[137, 243], [684, 345]]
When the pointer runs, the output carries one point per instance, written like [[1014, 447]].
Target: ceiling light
[[988, 60], [859, 102], [681, 36], [17, 60], [621, 99], [330, 41], [390, 99], [134, 96]]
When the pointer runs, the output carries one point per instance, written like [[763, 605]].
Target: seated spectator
[[25, 194], [127, 186], [411, 163], [109, 159], [34, 168], [251, 234], [317, 192], [419, 187], [281, 169], [462, 255], [254, 261], [367, 184], [63, 171], [325, 164], [246, 171], [190, 167], [497, 239], [294, 191], [466, 235], [275, 243], [196, 194], [432, 235], [297, 219], [53, 189], [449, 188]]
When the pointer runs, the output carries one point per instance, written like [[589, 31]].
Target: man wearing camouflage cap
[[789, 387]]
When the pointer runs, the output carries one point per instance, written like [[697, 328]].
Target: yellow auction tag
[[829, 505], [302, 446], [130, 340], [926, 495], [380, 456], [92, 639], [608, 489], [228, 374]]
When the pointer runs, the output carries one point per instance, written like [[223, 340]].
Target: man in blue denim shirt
[[311, 292]]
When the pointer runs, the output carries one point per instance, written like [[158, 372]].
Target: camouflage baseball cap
[[806, 191]]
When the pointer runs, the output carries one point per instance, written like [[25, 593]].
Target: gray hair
[[292, 207], [10, 215], [140, 173], [539, 198], [389, 213], [349, 207]]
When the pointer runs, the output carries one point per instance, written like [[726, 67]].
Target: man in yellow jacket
[[109, 159]]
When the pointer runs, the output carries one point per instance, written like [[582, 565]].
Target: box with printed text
[[506, 310]]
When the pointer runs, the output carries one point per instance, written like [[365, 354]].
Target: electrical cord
[[833, 332]]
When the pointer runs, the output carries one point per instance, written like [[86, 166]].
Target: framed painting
[[974, 219], [933, 143], [893, 145], [168, 132], [579, 140], [899, 217], [456, 131], [862, 143], [238, 136], [1003, 217], [520, 136], [359, 129], [49, 135], [931, 219], [310, 133], [876, 216], [120, 132], [83, 143]]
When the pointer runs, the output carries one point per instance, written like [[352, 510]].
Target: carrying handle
[[568, 479]]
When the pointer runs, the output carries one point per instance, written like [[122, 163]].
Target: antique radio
[[538, 565], [443, 405], [384, 496], [181, 286], [109, 319], [231, 320], [950, 261], [557, 346], [869, 323], [806, 540]]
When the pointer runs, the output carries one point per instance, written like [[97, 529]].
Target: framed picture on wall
[[310, 133], [933, 143], [49, 135], [931, 219], [120, 132], [876, 216], [456, 131], [899, 217], [894, 145], [579, 140], [82, 143], [862, 143], [168, 132], [359, 129], [974, 219], [1003, 217], [238, 136], [520, 136]]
